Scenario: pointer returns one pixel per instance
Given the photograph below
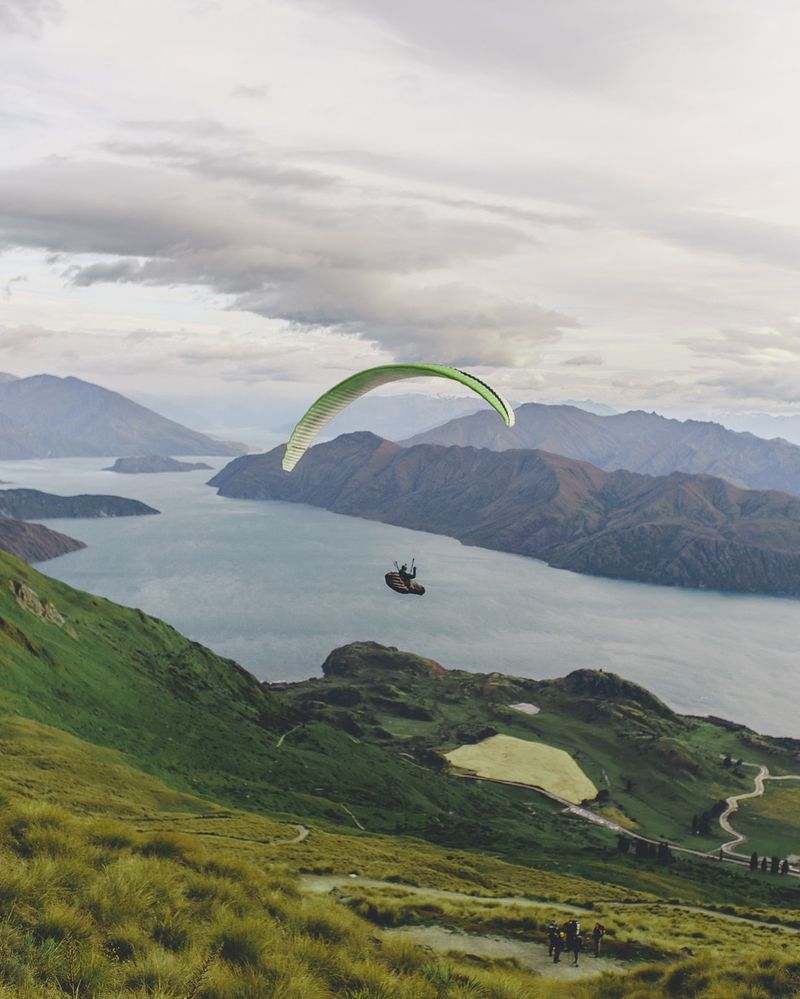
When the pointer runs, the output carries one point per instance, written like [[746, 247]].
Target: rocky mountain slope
[[31, 504], [679, 530], [636, 441], [45, 416], [34, 542]]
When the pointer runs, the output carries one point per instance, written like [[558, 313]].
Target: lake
[[276, 586]]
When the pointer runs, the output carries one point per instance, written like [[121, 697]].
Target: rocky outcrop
[[678, 530], [600, 685], [30, 601], [636, 441], [351, 660], [153, 463], [34, 542], [30, 504]]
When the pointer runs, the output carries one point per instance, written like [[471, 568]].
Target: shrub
[[241, 942]]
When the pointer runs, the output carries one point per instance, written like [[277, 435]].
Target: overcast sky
[[588, 198]]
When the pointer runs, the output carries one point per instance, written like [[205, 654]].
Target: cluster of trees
[[774, 865], [701, 824], [644, 850]]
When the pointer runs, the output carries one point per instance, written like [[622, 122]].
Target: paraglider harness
[[402, 581]]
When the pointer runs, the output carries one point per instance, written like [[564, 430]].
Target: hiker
[[576, 943], [558, 946], [598, 933], [552, 936], [571, 929]]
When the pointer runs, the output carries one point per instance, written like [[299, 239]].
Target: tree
[[775, 865], [623, 844], [695, 824], [754, 861], [664, 853], [727, 761], [785, 867], [764, 864]]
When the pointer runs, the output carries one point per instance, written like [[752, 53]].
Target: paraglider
[[403, 580], [332, 402]]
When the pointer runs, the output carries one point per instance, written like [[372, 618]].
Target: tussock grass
[[93, 910]]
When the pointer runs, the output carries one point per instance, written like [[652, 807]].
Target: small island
[[31, 504], [154, 463]]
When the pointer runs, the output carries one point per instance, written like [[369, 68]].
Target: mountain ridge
[[34, 542], [680, 529], [636, 441]]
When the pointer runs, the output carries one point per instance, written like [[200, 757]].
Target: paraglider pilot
[[405, 575]]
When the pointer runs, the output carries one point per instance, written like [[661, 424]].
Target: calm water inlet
[[276, 586]]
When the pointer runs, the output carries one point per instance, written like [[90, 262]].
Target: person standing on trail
[[598, 933], [552, 936], [558, 946], [575, 948]]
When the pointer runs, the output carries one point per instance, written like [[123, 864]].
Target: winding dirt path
[[732, 806], [531, 955], [325, 883]]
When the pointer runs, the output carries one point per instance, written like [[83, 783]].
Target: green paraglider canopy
[[332, 402]]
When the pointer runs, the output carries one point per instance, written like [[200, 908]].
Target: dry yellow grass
[[503, 757]]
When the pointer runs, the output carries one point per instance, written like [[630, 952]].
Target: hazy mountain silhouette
[[46, 416], [637, 441]]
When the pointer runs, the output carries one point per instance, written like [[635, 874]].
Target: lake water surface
[[276, 586]]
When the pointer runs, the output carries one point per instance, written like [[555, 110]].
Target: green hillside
[[129, 888], [120, 679], [170, 827], [656, 769]]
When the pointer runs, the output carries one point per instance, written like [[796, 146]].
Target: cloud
[[457, 324], [8, 289], [27, 17], [255, 93], [730, 234], [765, 346], [232, 165], [571, 44], [780, 387], [584, 361], [378, 271]]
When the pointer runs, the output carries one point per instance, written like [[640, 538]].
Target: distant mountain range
[[679, 530], [637, 441], [44, 416]]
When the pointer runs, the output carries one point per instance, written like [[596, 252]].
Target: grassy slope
[[772, 822], [159, 892], [204, 726]]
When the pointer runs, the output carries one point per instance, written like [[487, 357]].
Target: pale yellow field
[[503, 757]]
